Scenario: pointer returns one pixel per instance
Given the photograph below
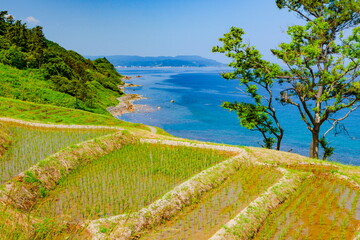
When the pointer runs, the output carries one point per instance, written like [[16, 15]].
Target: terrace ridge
[[22, 194]]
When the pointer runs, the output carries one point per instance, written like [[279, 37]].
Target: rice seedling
[[136, 175], [202, 220], [125, 180], [30, 145], [327, 211], [5, 139]]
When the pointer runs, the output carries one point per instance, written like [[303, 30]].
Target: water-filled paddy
[[126, 180], [30, 145], [323, 208], [217, 207]]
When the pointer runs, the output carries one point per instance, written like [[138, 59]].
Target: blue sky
[[153, 27]]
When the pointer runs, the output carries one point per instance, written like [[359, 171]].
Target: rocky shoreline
[[126, 104], [122, 87]]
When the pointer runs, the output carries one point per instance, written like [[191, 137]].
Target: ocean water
[[196, 112]]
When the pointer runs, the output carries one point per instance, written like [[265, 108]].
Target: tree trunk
[[314, 147], [279, 138]]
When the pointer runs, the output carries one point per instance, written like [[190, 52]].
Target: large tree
[[257, 76], [322, 61]]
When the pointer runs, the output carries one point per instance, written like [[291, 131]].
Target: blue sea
[[196, 112]]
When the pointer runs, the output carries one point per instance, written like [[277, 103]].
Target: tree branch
[[339, 119]]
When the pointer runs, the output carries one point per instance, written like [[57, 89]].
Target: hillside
[[133, 183], [178, 61], [34, 69], [67, 173]]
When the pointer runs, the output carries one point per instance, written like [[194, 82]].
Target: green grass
[[57, 115], [11, 227], [126, 180], [31, 145], [136, 175], [217, 207], [30, 85], [323, 208], [16, 226]]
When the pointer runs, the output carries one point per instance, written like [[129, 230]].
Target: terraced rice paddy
[[216, 208], [126, 180], [31, 145], [323, 208], [137, 174]]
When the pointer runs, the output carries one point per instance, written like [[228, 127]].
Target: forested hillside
[[35, 69]]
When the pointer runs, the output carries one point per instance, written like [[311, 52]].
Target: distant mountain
[[178, 61]]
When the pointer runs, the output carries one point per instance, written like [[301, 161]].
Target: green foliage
[[254, 73], [31, 178], [323, 67], [47, 228], [104, 229], [328, 151], [13, 57], [91, 85], [43, 191], [30, 85], [254, 117]]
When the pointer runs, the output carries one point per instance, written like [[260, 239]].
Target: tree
[[36, 45], [13, 57], [17, 34], [323, 65], [3, 15], [254, 73]]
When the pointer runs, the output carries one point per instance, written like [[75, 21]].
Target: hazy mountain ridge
[[161, 61]]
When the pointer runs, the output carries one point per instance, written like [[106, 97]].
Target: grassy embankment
[[329, 194], [43, 113]]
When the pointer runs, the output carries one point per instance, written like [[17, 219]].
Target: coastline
[[126, 104], [126, 85]]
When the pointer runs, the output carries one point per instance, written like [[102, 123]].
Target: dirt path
[[152, 129], [60, 126]]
